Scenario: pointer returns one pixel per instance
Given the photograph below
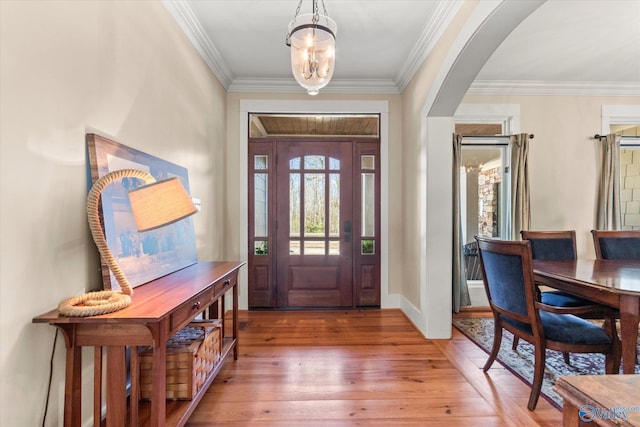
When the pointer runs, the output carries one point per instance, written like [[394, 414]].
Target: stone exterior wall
[[489, 200], [630, 188]]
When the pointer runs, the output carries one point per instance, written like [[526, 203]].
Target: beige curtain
[[520, 205], [460, 289], [608, 215]]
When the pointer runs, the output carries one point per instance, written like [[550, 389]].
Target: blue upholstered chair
[[508, 280], [616, 244], [554, 245]]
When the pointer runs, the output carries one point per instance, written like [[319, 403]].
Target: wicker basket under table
[[192, 353]]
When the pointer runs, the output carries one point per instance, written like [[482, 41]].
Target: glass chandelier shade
[[312, 38]]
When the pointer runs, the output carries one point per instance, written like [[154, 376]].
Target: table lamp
[[154, 205]]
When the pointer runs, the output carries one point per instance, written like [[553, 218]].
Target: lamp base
[[94, 303]]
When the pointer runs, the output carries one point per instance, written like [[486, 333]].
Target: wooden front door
[[314, 214], [314, 223]]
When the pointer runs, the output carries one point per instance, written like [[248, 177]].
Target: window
[[484, 188], [484, 184], [629, 175]]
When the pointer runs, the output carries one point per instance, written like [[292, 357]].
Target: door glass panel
[[314, 162], [261, 162], [294, 205], [334, 164], [294, 164], [314, 204], [261, 213], [313, 247], [368, 162], [368, 247], [334, 247], [368, 205], [261, 247], [334, 205], [294, 247]]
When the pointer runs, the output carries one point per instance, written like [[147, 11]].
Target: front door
[[314, 223], [314, 230]]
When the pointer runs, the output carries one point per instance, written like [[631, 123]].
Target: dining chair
[[509, 283], [616, 244], [556, 245]]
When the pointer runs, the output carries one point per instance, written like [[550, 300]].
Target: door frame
[[249, 106]]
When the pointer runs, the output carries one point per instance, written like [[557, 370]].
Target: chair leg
[[565, 354], [514, 346], [612, 359], [538, 373], [497, 340]]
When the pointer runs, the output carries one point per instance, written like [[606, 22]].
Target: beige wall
[[123, 69], [413, 154], [563, 165]]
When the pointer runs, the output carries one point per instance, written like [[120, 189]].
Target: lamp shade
[[159, 204], [312, 38]]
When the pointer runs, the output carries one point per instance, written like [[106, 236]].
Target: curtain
[[460, 289], [520, 204], [608, 215]]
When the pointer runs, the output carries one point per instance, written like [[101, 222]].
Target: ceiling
[[565, 46]]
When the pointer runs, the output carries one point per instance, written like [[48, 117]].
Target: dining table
[[614, 283]]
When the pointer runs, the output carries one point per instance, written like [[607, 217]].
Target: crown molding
[[190, 25], [442, 16], [335, 86], [528, 87], [435, 26]]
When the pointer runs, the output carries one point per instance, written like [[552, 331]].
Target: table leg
[[97, 386], [159, 379], [116, 387], [570, 417], [223, 313], [73, 388], [629, 307], [235, 321], [134, 368]]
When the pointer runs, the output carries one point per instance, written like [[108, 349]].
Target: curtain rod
[[598, 136], [492, 136]]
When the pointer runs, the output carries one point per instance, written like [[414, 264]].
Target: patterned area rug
[[520, 362]]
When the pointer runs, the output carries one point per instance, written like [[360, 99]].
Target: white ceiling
[[563, 46]]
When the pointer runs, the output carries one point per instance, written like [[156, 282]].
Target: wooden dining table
[[614, 283]]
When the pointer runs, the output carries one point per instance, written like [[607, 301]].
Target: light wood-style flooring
[[360, 368]]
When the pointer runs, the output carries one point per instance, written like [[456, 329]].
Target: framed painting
[[143, 256]]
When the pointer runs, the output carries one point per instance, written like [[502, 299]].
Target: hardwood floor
[[360, 368]]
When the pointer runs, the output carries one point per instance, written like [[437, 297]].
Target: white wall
[[122, 68]]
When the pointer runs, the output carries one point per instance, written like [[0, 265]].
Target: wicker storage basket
[[192, 354]]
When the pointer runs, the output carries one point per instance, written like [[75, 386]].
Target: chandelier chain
[[298, 10]]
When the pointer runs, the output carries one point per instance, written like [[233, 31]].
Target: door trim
[[248, 106]]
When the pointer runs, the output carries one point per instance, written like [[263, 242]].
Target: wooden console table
[[159, 309], [602, 400]]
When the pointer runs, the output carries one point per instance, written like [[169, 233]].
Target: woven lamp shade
[[160, 203]]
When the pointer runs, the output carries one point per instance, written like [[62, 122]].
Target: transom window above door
[[280, 125]]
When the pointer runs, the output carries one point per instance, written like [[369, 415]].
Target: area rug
[[520, 362]]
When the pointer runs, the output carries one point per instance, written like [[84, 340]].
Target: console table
[[158, 310]]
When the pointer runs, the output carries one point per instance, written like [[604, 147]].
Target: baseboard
[[477, 293]]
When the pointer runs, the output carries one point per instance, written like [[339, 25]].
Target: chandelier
[[312, 38]]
